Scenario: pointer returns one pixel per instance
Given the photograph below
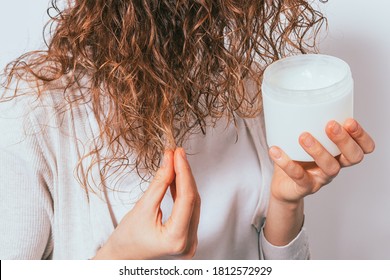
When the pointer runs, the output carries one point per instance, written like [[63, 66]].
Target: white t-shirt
[[46, 214]]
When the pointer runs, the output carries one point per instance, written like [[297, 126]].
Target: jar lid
[[307, 78]]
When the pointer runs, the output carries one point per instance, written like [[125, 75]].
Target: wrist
[[290, 204], [106, 252], [284, 220]]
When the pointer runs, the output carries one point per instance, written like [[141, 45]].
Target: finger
[[192, 232], [192, 242], [160, 183], [351, 152], [324, 160], [294, 170], [187, 197], [361, 137]]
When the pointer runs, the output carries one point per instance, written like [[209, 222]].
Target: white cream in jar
[[302, 94]]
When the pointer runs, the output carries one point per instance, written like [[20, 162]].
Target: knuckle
[[359, 157], [294, 172], [188, 254], [297, 175], [191, 251], [317, 186], [359, 132], [184, 171], [179, 246], [342, 138], [318, 152], [346, 138], [334, 170], [290, 166], [192, 198]]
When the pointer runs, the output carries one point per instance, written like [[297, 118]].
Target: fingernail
[[353, 126], [308, 141], [275, 153], [336, 128]]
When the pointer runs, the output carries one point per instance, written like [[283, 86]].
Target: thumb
[[186, 194]]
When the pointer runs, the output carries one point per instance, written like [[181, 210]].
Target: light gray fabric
[[46, 214]]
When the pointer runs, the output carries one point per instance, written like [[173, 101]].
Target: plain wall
[[21, 27], [349, 219]]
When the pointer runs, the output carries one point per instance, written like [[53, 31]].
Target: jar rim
[[343, 82]]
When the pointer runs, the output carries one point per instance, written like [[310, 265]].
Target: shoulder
[[33, 108], [40, 123]]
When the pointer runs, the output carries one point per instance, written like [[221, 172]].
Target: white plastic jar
[[302, 94]]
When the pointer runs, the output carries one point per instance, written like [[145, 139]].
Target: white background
[[350, 218]]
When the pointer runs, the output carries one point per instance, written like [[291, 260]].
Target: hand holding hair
[[141, 233]]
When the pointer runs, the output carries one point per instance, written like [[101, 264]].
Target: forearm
[[284, 221]]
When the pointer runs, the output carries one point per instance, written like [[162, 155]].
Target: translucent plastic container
[[303, 93]]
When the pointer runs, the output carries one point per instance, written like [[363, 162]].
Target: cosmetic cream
[[302, 94]]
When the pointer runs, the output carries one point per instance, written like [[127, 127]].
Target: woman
[[93, 164]]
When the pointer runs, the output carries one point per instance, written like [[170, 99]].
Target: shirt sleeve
[[297, 249], [25, 223], [26, 203]]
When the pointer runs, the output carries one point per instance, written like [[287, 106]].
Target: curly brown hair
[[167, 65]]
